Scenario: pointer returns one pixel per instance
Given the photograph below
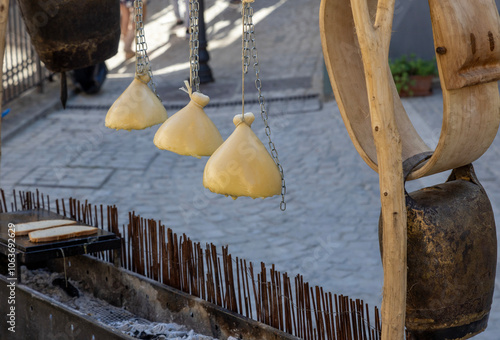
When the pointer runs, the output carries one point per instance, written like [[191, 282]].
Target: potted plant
[[413, 76]]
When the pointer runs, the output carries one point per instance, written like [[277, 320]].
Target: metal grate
[[22, 69], [109, 314]]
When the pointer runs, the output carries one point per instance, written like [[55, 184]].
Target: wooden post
[[374, 39], [4, 15]]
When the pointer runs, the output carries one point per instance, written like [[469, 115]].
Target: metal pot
[[72, 34], [452, 255]]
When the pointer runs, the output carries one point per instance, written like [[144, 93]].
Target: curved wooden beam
[[471, 113]]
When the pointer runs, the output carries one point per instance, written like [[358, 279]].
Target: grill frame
[[28, 252]]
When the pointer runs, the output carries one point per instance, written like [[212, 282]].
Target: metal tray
[[28, 252]]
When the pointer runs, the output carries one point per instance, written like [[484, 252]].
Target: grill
[[109, 314], [29, 252]]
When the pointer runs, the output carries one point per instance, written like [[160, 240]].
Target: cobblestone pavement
[[329, 230]]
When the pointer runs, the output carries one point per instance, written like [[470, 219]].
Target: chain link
[[250, 48], [194, 44], [142, 65], [246, 36]]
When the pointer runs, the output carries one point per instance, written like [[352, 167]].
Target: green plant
[[404, 67]]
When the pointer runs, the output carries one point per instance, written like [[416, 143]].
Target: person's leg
[[175, 5], [144, 11], [186, 14], [124, 19], [130, 36]]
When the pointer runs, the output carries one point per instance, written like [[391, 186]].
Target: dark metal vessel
[[452, 255], [72, 34]]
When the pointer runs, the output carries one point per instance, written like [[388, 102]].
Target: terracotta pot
[[422, 86]]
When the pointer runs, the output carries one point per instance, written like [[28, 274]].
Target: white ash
[[41, 281], [152, 330]]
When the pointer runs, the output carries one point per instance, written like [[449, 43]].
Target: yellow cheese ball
[[190, 131], [137, 108], [242, 166]]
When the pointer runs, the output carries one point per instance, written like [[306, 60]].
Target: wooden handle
[[374, 39], [378, 114]]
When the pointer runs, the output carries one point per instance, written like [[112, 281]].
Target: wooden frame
[[355, 37], [471, 114]]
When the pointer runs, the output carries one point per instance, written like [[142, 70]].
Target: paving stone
[[66, 177], [329, 232]]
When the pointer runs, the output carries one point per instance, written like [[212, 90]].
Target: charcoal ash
[[80, 300]]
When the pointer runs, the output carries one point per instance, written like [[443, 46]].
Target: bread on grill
[[26, 228], [61, 233]]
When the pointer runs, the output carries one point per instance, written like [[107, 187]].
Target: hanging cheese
[[137, 107], [189, 132], [241, 166]]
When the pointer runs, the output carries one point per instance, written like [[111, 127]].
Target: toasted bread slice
[[26, 228], [61, 233]]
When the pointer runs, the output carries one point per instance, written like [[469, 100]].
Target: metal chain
[[142, 65], [246, 36], [245, 56], [194, 44], [249, 33]]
